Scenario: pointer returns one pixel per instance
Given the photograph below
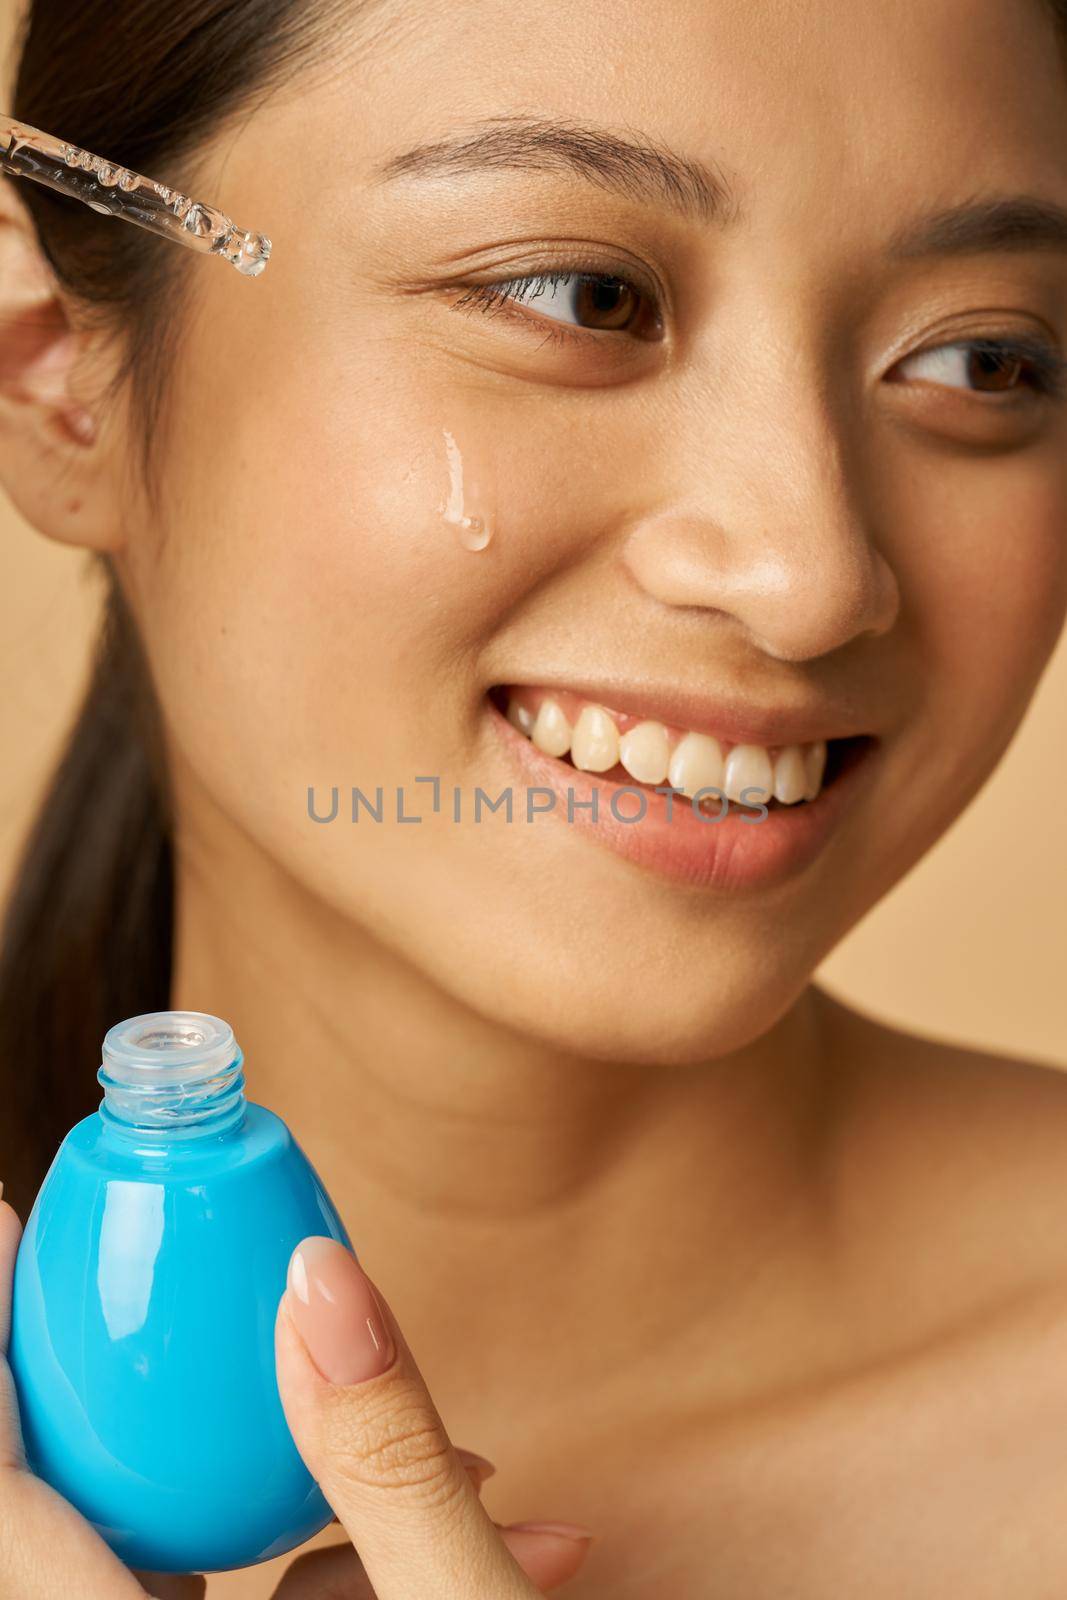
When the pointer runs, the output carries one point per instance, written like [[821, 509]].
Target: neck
[[525, 1191]]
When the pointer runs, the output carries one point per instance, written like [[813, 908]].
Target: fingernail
[[336, 1312], [479, 1465], [566, 1530]]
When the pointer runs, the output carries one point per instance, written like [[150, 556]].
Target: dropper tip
[[248, 252]]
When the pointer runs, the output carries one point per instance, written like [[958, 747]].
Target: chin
[[689, 1020]]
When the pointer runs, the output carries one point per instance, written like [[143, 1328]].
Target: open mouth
[[623, 749]]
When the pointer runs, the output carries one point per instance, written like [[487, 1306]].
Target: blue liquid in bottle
[[145, 1291]]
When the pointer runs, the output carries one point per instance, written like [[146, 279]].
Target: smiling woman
[[638, 488]]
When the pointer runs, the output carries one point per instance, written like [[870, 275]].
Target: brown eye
[[994, 371], [592, 301], [605, 303], [1012, 366]]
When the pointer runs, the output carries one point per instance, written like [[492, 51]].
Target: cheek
[[326, 621], [987, 578]]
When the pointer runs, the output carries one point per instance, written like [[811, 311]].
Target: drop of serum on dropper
[[474, 529]]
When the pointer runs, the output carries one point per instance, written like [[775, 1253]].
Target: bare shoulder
[[949, 1076], [955, 1157], [939, 1431]]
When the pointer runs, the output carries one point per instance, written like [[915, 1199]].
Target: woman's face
[[754, 465]]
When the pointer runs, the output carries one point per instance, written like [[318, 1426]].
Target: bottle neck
[[172, 1075]]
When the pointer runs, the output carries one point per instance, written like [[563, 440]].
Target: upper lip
[[723, 716]]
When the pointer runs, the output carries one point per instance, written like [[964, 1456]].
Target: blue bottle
[[145, 1291]]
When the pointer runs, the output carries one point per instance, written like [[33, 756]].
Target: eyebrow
[[645, 170], [636, 168], [997, 222]]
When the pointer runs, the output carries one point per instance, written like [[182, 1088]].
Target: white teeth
[[644, 751], [748, 766], [520, 716], [551, 731], [695, 764], [790, 775], [595, 740], [815, 763]]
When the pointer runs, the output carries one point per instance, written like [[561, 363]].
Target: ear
[[58, 460]]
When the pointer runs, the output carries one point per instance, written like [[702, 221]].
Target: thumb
[[369, 1432]]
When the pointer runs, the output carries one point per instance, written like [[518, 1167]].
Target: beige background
[[971, 945]]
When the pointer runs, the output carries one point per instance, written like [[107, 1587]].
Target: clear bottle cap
[[178, 1071]]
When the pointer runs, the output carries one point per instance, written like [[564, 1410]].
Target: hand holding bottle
[[46, 1547], [368, 1431], [406, 1496]]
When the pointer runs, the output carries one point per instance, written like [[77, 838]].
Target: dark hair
[[87, 931]]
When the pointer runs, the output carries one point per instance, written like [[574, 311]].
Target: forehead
[[849, 94]]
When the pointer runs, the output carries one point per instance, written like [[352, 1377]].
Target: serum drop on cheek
[[469, 508], [145, 1291]]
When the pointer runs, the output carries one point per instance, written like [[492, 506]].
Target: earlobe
[[54, 463]]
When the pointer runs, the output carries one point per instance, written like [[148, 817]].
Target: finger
[[549, 1553], [12, 1450], [43, 1542], [548, 1559], [172, 1585], [371, 1435], [337, 1569], [46, 1549], [314, 1576], [10, 1234], [546, 1554], [478, 1467]]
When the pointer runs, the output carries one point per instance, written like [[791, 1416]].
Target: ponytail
[[86, 938]]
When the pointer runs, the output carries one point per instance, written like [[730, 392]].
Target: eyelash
[[499, 297], [1047, 369]]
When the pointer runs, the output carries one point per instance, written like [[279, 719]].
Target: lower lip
[[737, 851]]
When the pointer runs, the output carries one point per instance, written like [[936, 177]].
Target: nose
[[771, 534]]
